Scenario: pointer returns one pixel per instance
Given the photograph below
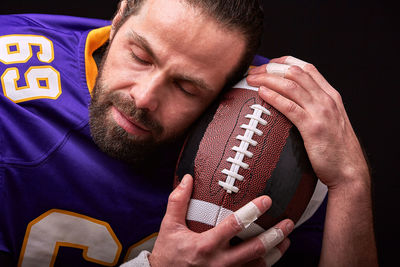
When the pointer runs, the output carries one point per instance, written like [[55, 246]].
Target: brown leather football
[[239, 149]]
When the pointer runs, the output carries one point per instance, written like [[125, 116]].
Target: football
[[239, 149]]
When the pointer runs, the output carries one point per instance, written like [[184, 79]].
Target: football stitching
[[214, 177], [241, 151], [265, 141]]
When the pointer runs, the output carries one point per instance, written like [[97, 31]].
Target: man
[[166, 61]]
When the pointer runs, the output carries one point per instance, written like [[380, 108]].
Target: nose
[[147, 91]]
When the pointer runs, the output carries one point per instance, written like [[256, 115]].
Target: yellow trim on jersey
[[141, 242], [95, 39]]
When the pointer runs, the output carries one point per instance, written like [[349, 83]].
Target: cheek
[[183, 116], [179, 120], [118, 71], [116, 75]]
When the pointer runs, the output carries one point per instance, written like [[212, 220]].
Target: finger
[[264, 243], [290, 60], [286, 60], [314, 73], [274, 255], [294, 112], [262, 68], [258, 70], [272, 68], [316, 76], [178, 201], [321, 102], [306, 81], [280, 60], [239, 220], [285, 87], [275, 235]]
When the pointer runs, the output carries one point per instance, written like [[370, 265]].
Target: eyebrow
[[196, 81], [143, 43]]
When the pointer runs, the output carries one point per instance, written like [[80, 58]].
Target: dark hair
[[244, 16]]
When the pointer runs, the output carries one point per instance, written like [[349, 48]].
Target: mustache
[[129, 109]]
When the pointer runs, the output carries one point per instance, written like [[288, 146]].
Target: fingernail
[[184, 180], [247, 214], [278, 69], [289, 227], [266, 203], [271, 237], [295, 61]]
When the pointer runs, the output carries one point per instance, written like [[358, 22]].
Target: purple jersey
[[63, 202]]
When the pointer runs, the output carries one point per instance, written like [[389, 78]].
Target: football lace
[[242, 150]]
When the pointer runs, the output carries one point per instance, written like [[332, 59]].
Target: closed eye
[[180, 87], [139, 60]]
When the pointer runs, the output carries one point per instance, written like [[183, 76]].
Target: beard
[[112, 139]]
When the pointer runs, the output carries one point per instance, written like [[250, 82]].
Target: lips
[[130, 125]]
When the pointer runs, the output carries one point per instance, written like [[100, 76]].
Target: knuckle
[[234, 224], [290, 85], [202, 250], [259, 249], [189, 252], [286, 56], [174, 197], [295, 71], [328, 106], [310, 67], [291, 107], [273, 97], [298, 74], [325, 111], [183, 247], [317, 127], [336, 96]]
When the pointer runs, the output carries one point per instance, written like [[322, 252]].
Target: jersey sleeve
[[43, 68], [44, 90]]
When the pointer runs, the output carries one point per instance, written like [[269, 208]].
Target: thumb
[[178, 201]]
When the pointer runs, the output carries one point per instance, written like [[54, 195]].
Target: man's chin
[[136, 160], [126, 148]]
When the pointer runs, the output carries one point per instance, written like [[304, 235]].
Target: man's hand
[[176, 245], [302, 94]]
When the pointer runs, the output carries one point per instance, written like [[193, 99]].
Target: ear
[[118, 17]]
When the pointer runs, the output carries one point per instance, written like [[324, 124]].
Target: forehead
[[187, 40]]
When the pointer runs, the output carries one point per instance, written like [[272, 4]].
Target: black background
[[354, 45]]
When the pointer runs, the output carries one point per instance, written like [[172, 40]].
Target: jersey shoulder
[[46, 70], [59, 23]]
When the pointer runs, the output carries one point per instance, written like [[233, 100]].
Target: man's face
[[163, 68]]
